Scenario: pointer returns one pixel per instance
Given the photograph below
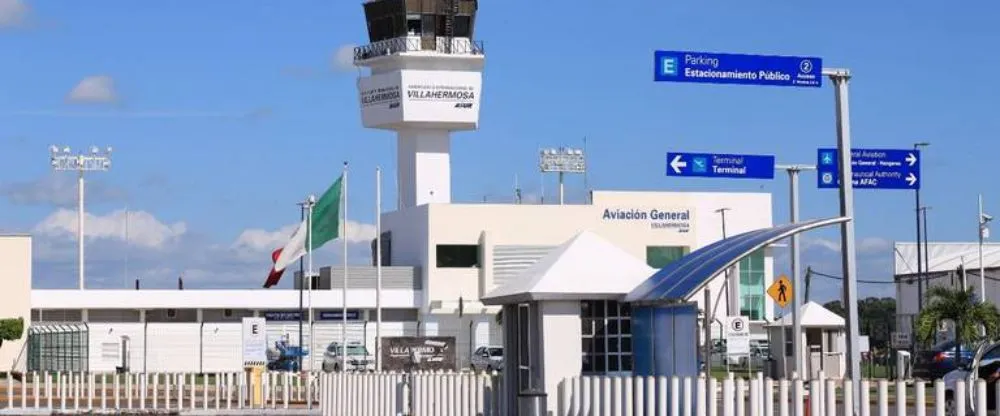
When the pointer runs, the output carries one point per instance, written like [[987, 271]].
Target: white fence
[[438, 394], [166, 391]]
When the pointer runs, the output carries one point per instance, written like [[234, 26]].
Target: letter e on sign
[[255, 330]]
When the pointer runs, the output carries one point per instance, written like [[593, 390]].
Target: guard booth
[[554, 314], [823, 342]]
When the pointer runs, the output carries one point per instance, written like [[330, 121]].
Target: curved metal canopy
[[683, 278]]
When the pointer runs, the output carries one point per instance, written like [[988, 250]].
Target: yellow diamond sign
[[781, 291]]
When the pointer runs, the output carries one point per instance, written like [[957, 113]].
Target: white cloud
[[94, 89], [158, 252], [144, 230], [13, 13], [343, 58], [260, 240]]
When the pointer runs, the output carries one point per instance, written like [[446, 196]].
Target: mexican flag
[[323, 224]]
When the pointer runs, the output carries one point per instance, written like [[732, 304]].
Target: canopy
[[812, 315], [680, 280], [585, 267]]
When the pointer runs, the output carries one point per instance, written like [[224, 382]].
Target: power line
[[829, 276]]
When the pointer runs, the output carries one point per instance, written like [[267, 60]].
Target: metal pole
[[927, 256], [80, 225], [793, 183], [378, 269], [920, 262], [309, 271], [302, 285], [725, 285], [125, 282], [707, 348], [561, 189], [343, 296], [982, 267], [840, 78]]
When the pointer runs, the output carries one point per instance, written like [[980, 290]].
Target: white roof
[[945, 257], [585, 267], [214, 299], [813, 315]]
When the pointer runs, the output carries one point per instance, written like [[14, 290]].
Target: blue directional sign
[[726, 68], [871, 168], [713, 165]]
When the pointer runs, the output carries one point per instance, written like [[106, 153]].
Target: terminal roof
[[680, 280]]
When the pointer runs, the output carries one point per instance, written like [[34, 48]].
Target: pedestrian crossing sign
[[781, 291]]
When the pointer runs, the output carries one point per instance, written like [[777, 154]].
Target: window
[[413, 24], [659, 257], [752, 285], [457, 255], [789, 342], [606, 339]]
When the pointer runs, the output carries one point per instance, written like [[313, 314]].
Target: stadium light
[[95, 160], [562, 161]]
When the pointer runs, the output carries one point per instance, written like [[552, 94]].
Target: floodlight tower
[[563, 160], [424, 83], [97, 160]]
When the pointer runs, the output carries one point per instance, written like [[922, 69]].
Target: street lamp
[[562, 160], [984, 233], [96, 160], [920, 266]]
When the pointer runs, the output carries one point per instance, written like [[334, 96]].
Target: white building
[[945, 264], [441, 256]]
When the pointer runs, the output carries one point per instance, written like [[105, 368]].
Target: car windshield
[[496, 352]]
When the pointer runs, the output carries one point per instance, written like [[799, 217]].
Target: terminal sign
[[727, 68], [871, 168], [712, 165]]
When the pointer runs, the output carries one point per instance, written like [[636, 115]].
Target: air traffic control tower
[[424, 83]]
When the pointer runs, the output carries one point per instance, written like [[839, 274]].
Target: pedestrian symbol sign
[[781, 291]]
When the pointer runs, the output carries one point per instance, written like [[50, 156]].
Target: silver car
[[985, 365], [358, 358], [487, 358]]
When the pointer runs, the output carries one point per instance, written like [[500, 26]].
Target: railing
[[392, 46], [430, 394], [166, 391]]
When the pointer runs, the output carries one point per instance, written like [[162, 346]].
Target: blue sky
[[224, 113]]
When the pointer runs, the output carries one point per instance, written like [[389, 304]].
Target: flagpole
[[302, 285], [309, 261], [378, 269], [343, 237]]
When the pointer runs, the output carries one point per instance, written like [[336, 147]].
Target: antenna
[[586, 177]]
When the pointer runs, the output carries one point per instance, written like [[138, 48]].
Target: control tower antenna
[[424, 82]]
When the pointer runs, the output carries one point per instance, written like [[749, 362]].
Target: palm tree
[[962, 307]]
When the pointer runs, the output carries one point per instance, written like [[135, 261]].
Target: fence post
[[754, 397], [713, 409], [939, 408], [959, 396], [919, 398], [900, 398], [783, 398], [849, 395], [865, 399], [768, 397], [980, 396], [701, 394], [650, 396], [24, 391], [883, 398], [48, 390], [727, 397], [831, 397]]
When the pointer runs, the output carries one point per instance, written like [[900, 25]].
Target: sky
[[223, 115]]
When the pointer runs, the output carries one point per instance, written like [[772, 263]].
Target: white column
[[423, 167]]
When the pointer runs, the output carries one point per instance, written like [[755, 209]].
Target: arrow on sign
[[677, 164], [911, 179], [911, 159]]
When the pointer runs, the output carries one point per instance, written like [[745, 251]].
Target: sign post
[[737, 338], [712, 165], [789, 71], [255, 356]]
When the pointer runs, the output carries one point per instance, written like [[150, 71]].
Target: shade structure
[[813, 315], [585, 267], [682, 279]]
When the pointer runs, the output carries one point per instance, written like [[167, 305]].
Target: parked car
[[358, 358], [985, 365], [487, 358], [937, 361]]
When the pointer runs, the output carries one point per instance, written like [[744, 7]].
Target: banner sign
[[254, 340], [418, 354]]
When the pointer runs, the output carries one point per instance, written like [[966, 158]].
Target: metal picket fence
[[420, 393], [155, 391]]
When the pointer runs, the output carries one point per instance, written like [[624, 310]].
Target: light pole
[[920, 267], [984, 233], [63, 160], [562, 160], [793, 191]]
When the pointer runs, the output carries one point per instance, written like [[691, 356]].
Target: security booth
[[566, 305], [58, 347], [823, 342]]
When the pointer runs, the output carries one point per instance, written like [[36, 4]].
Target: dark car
[[938, 360]]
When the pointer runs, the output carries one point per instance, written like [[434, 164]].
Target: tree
[[876, 317], [962, 307], [11, 329]]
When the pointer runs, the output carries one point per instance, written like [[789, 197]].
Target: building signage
[[418, 353], [737, 335], [380, 96], [462, 96], [727, 68], [254, 340], [286, 316], [871, 168], [658, 218], [712, 165], [420, 96]]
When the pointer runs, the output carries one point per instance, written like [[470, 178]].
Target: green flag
[[325, 218]]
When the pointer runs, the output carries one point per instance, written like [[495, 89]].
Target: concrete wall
[[15, 281], [561, 350]]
